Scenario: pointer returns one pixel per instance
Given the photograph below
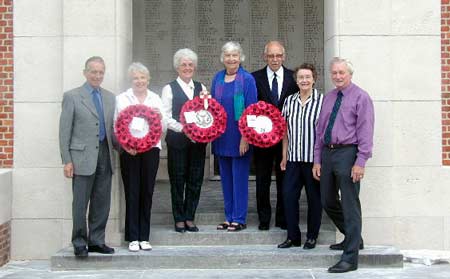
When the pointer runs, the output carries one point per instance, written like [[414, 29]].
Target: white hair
[[339, 60], [232, 46], [138, 67], [186, 53]]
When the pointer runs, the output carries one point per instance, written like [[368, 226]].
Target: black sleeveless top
[[175, 139]]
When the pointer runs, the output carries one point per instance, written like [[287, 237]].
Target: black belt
[[337, 146]]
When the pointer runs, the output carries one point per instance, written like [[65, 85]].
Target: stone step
[[224, 257], [212, 218], [211, 199], [209, 235], [210, 207]]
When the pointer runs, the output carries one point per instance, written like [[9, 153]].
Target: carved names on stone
[[313, 40], [160, 27]]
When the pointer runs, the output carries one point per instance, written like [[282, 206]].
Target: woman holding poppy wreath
[[235, 89], [301, 111], [138, 169], [185, 157]]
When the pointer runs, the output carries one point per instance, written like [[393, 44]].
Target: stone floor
[[41, 269]]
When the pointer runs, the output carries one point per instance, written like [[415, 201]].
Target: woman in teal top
[[235, 89]]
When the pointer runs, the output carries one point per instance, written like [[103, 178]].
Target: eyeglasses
[[300, 78], [272, 56]]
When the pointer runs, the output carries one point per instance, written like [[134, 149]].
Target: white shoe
[[145, 245], [133, 246]]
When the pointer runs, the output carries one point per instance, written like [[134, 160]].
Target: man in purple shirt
[[344, 141]]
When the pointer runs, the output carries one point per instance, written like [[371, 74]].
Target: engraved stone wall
[[161, 27]]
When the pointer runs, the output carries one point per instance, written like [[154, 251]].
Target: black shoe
[[289, 243], [340, 246], [281, 226], [80, 252], [102, 249], [179, 229], [342, 267], [263, 227], [310, 244], [192, 228]]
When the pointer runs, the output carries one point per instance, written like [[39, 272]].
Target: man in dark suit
[[274, 83], [85, 139]]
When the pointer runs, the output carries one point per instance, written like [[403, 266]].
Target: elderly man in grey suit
[[85, 138]]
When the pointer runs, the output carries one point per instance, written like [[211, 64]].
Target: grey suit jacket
[[79, 129]]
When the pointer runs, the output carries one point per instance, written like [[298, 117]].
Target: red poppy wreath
[[262, 124], [138, 127], [203, 119]]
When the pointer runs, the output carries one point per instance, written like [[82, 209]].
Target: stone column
[[52, 40], [395, 50]]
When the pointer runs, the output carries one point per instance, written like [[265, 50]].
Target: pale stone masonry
[[5, 215]]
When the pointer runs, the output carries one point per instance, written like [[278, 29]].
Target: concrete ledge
[[5, 214], [223, 257], [5, 195]]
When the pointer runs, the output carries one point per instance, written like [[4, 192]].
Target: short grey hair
[[92, 59], [232, 46], [186, 53], [339, 60], [138, 67]]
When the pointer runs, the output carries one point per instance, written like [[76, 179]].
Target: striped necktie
[[337, 105]]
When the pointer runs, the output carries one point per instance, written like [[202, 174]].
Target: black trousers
[[299, 174], [264, 159], [186, 168], [344, 210], [138, 175]]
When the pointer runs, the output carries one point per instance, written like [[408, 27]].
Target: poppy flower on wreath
[[203, 119], [138, 127], [262, 124]]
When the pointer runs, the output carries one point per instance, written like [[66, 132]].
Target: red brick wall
[[5, 240], [445, 76], [6, 84]]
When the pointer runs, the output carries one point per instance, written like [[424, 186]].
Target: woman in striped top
[[301, 111]]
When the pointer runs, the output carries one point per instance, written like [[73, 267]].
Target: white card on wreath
[[190, 116], [263, 124], [137, 124], [251, 121]]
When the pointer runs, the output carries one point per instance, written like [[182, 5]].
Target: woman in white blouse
[[185, 158], [138, 169]]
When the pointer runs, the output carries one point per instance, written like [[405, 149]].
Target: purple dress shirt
[[354, 123]]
